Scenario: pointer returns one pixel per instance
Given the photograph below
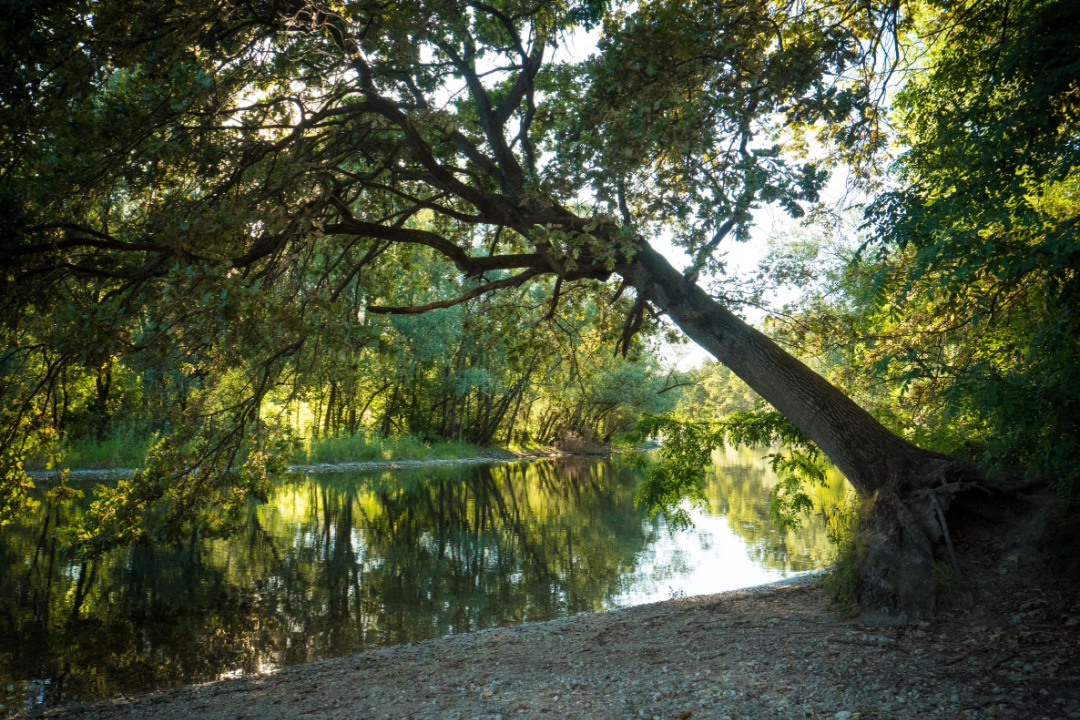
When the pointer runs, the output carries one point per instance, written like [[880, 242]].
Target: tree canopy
[[954, 313], [225, 187]]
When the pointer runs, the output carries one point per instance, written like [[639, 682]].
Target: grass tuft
[[373, 447], [122, 449]]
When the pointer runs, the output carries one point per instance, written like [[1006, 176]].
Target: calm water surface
[[339, 563]]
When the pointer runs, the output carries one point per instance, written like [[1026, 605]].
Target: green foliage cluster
[[678, 478], [165, 502], [713, 391], [981, 238], [844, 527], [16, 489], [497, 371], [956, 319]]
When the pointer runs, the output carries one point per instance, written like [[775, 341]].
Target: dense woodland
[[230, 226], [494, 372]]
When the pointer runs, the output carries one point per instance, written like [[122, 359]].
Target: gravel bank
[[778, 651]]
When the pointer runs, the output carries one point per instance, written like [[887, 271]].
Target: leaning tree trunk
[[906, 535], [872, 457]]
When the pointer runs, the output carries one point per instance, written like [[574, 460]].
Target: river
[[339, 563]]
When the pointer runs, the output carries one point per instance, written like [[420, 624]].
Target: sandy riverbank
[[777, 651]]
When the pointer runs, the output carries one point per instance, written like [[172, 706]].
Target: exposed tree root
[[907, 560]]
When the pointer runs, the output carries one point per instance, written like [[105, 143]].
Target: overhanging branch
[[467, 264], [514, 281]]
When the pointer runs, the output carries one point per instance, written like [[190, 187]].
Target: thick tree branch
[[428, 203], [489, 123], [89, 243], [484, 263], [513, 281], [360, 228], [468, 264], [554, 301]]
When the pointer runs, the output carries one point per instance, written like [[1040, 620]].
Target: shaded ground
[[779, 651]]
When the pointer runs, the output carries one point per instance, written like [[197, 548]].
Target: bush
[[844, 528]]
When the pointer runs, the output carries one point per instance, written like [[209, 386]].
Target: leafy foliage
[[986, 227], [16, 488], [678, 477], [219, 213], [713, 391], [956, 317], [160, 504]]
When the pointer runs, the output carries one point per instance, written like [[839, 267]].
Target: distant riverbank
[[479, 456], [123, 451]]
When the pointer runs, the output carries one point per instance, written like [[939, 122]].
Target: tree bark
[[870, 455]]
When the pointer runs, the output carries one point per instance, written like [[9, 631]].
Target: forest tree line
[[501, 371]]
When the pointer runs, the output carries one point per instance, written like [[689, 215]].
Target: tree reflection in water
[[739, 486], [335, 564]]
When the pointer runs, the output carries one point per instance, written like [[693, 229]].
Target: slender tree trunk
[[329, 420], [501, 409], [374, 395], [389, 412], [513, 417], [316, 418], [62, 426], [464, 416], [103, 385]]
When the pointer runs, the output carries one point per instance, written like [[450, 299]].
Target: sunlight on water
[[340, 563], [734, 544], [684, 563]]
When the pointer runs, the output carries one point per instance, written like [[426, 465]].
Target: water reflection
[[335, 564], [738, 487]]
